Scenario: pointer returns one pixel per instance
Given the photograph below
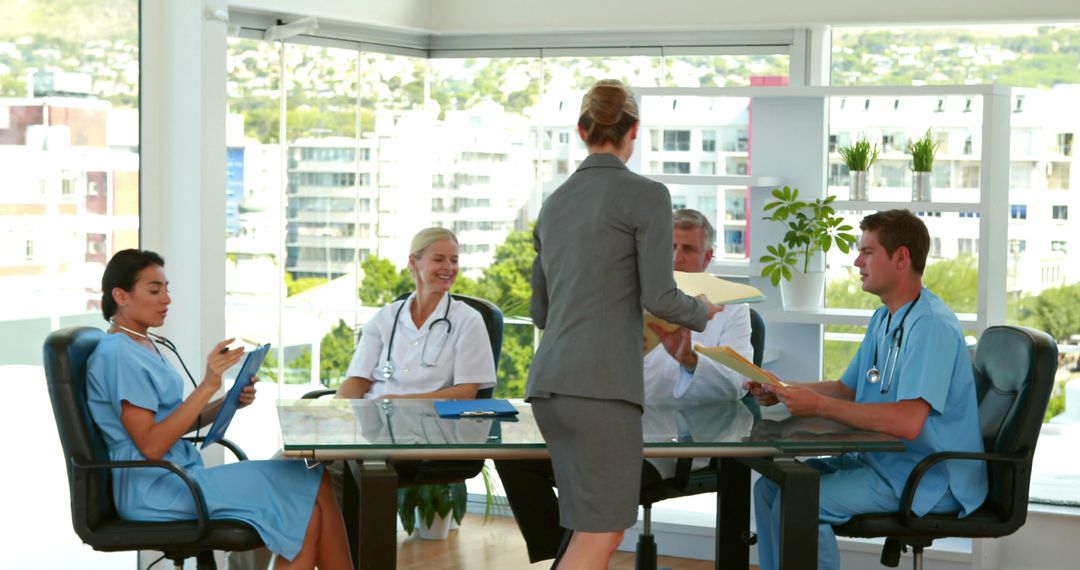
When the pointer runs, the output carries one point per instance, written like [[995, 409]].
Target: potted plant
[[812, 227], [858, 157], [435, 504], [438, 506], [922, 153]]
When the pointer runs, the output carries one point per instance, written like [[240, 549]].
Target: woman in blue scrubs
[[137, 400]]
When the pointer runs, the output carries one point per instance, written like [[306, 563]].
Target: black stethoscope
[[388, 368], [156, 339], [873, 375]]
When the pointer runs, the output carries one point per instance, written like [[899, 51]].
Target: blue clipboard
[[475, 408], [231, 402]]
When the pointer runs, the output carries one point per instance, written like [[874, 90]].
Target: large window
[[69, 153], [331, 192], [1039, 64]]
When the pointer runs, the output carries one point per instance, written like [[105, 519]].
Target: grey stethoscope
[[873, 375], [388, 368]]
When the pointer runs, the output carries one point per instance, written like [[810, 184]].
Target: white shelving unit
[[871, 206], [789, 133], [711, 180]]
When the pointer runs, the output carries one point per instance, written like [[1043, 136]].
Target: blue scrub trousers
[[849, 487]]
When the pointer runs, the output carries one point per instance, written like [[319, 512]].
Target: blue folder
[[231, 403], [474, 408]]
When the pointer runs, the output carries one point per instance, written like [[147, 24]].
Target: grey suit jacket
[[604, 249]]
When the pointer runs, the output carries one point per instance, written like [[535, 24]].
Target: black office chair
[[448, 471], [686, 481], [1014, 376], [89, 469]]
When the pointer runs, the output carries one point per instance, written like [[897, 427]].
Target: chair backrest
[[493, 321], [757, 342], [66, 354], [1014, 377], [757, 336]]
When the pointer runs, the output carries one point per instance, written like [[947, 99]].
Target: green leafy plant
[[859, 155], [922, 152], [441, 499], [430, 500], [811, 227]]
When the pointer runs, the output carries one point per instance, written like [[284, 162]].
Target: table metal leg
[[370, 507], [732, 514], [799, 488]]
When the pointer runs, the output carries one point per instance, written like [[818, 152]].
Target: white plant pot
[[920, 186], [857, 186], [805, 291], [439, 529]]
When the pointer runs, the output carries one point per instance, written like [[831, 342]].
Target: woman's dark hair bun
[[608, 111]]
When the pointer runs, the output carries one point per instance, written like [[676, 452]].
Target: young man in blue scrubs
[[911, 378]]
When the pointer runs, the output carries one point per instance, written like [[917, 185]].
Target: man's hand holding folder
[[735, 361], [718, 292]]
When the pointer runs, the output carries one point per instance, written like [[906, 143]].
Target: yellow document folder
[[716, 290], [733, 360]]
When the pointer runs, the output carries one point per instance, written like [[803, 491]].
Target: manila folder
[[718, 291], [733, 360]]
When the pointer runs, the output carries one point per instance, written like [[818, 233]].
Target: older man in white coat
[[672, 371]]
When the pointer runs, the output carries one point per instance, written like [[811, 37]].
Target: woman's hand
[[247, 395], [221, 359], [710, 308]]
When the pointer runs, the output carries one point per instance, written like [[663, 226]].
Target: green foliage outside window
[[297, 286], [505, 283], [956, 281], [383, 282]]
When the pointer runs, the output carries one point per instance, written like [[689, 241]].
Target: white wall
[[508, 16]]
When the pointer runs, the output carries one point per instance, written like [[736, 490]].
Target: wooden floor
[[497, 545]]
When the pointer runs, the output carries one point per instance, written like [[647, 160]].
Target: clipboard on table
[[718, 291], [728, 357], [231, 402], [493, 408]]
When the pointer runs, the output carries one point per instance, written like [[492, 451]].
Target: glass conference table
[[369, 435]]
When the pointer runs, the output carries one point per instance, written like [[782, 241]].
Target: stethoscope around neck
[[874, 375], [156, 339], [388, 368]]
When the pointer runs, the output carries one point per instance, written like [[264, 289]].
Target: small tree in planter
[[812, 227], [922, 153], [858, 157]]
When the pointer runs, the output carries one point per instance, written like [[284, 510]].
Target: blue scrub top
[[933, 365], [276, 497]]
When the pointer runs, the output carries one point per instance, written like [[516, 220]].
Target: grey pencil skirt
[[596, 454]]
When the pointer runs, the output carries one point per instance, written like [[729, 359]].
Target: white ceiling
[[510, 16]]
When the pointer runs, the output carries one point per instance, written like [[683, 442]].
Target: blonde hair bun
[[428, 236]]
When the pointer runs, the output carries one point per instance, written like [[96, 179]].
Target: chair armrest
[[317, 394], [202, 518], [908, 496], [227, 444]]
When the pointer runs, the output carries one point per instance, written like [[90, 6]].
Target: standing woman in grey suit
[[603, 243]]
